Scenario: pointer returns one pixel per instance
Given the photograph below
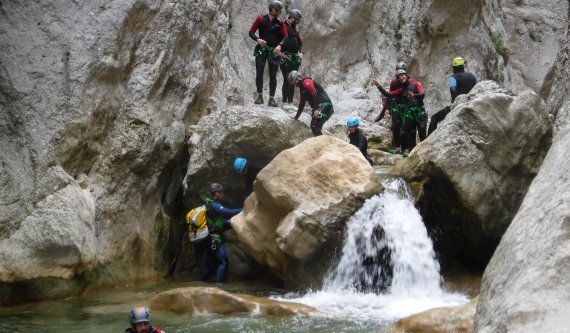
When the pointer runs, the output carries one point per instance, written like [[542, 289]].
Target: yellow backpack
[[197, 224]]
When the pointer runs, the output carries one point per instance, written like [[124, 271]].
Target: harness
[[409, 113], [290, 58], [271, 56]]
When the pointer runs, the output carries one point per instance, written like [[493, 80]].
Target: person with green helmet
[[357, 138], [218, 220], [460, 83], [249, 172], [291, 54], [311, 91], [272, 35], [140, 321]]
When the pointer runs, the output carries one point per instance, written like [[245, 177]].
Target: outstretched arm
[[225, 212]]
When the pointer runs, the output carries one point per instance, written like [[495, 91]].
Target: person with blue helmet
[[357, 138], [249, 172], [140, 321], [218, 219]]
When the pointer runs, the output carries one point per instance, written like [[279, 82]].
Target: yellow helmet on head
[[458, 61]]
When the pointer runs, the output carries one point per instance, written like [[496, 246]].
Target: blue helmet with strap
[[239, 164], [352, 121]]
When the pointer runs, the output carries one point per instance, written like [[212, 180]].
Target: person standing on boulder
[[272, 35], [460, 82], [292, 54], [249, 172], [140, 322], [357, 138], [218, 220], [312, 92]]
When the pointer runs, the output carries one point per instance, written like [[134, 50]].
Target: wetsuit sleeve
[[225, 212], [309, 86], [452, 88], [302, 101], [283, 33], [395, 92], [254, 27], [300, 43], [362, 142], [420, 90], [382, 90]]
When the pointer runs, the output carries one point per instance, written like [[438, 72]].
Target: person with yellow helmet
[[460, 82]]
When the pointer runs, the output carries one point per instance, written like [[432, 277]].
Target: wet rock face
[[472, 173], [301, 200]]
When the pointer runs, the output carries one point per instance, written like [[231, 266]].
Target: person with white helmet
[[460, 82], [140, 321], [312, 92], [272, 35], [292, 54], [249, 172], [357, 138], [218, 219]]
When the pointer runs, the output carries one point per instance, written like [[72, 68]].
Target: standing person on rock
[[312, 92], [272, 35], [291, 54], [218, 220], [460, 82], [140, 321], [357, 138], [408, 105]]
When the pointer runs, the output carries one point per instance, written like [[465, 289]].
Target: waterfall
[[387, 248], [387, 267]]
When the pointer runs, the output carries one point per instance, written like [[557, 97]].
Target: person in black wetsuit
[[357, 138], [461, 82], [249, 171], [272, 35], [291, 54], [312, 92]]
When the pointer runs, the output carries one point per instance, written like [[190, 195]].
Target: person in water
[[140, 322]]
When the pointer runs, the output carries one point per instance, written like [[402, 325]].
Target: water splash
[[387, 268]]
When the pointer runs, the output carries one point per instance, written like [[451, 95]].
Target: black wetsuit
[[465, 82], [312, 92], [358, 139], [274, 33], [410, 112], [292, 46]]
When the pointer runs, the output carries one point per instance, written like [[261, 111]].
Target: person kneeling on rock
[[312, 92], [357, 138], [218, 220], [140, 322]]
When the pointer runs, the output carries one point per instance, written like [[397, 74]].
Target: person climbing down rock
[[312, 92], [218, 220], [272, 35], [291, 54], [357, 138], [460, 82], [140, 321], [408, 107], [249, 172]]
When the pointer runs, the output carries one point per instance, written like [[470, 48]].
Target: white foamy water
[[350, 292]]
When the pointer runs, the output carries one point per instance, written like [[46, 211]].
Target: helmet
[[215, 187], [293, 75], [401, 71], [352, 121], [139, 315], [458, 61], [239, 164], [275, 5], [401, 65], [295, 13]]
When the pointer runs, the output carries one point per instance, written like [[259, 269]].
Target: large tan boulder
[[197, 300], [457, 319], [300, 203], [473, 172]]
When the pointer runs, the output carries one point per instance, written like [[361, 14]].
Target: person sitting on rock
[[461, 82], [312, 92], [408, 104], [249, 172], [272, 35], [357, 138], [218, 220], [140, 322], [292, 54]]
